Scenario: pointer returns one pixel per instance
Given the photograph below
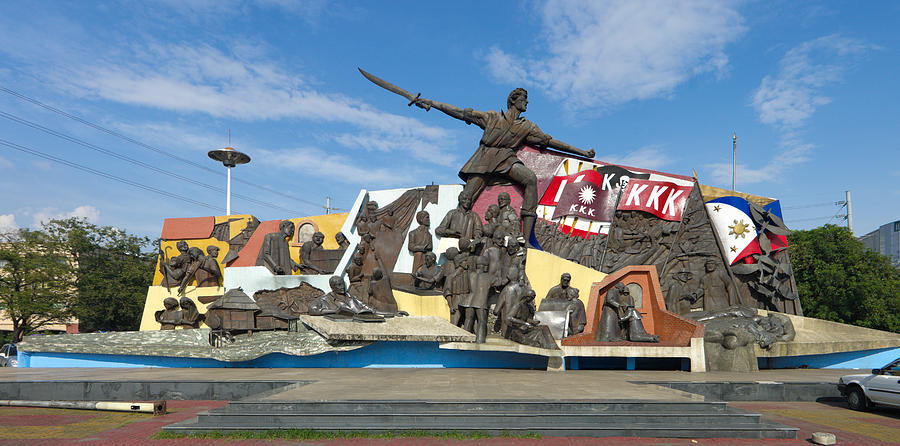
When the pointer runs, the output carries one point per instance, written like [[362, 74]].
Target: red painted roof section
[[188, 228], [250, 251]]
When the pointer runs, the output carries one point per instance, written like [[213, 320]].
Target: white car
[[881, 387], [8, 356]]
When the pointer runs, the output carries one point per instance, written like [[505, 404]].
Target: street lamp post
[[229, 158], [733, 158]]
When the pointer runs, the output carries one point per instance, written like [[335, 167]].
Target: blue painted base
[[377, 355], [428, 355], [860, 359]]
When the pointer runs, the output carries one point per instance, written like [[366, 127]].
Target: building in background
[[885, 240]]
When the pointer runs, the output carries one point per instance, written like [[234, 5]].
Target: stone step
[[593, 418], [758, 431], [502, 407], [451, 421]]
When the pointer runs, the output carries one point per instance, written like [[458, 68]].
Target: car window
[[12, 350], [892, 368], [4, 350]]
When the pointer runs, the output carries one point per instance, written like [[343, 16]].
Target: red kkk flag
[[661, 198], [589, 194]]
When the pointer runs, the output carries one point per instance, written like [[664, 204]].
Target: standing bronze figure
[[495, 159]]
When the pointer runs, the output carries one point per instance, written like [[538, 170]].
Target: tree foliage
[[112, 273], [37, 280], [72, 268], [839, 279]]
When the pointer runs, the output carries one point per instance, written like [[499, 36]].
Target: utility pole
[[849, 213], [733, 158], [328, 207]]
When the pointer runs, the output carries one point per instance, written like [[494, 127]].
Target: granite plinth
[[499, 344], [187, 344], [695, 351], [817, 337], [409, 328]]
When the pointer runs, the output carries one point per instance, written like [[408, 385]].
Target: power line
[[817, 205], [127, 159], [813, 218], [144, 145], [110, 176]]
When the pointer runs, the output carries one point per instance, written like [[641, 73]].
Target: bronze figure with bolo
[[495, 159]]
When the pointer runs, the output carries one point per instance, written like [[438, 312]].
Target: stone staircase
[[587, 418]]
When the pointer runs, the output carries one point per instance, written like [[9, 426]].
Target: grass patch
[[313, 434]]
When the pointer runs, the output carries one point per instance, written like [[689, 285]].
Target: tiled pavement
[[54, 427], [37, 426]]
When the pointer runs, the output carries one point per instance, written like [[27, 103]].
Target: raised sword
[[392, 88]]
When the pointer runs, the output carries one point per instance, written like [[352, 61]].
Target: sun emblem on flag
[[739, 229], [586, 195]]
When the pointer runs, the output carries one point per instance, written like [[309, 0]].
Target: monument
[[541, 258]]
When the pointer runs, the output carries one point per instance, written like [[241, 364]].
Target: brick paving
[[55, 427], [877, 427]]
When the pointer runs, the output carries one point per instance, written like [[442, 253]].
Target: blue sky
[[810, 88]]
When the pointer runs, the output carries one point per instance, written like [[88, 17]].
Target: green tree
[[36, 281], [112, 273], [840, 280]]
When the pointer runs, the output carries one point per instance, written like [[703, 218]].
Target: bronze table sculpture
[[495, 158], [558, 292], [563, 297]]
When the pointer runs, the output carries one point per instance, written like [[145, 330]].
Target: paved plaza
[[38, 426]]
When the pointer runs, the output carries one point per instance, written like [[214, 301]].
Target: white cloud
[[419, 149], [8, 223], [309, 10], [207, 80], [90, 213], [648, 157], [599, 54], [323, 164], [166, 134], [788, 98], [5, 163], [792, 154]]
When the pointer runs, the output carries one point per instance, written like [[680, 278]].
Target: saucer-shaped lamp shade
[[229, 157]]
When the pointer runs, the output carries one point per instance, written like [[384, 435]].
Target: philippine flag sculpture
[[730, 217]]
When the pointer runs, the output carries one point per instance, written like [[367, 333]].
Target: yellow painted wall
[[417, 305], [156, 295], [543, 270]]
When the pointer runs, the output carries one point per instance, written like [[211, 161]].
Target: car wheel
[[856, 399]]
